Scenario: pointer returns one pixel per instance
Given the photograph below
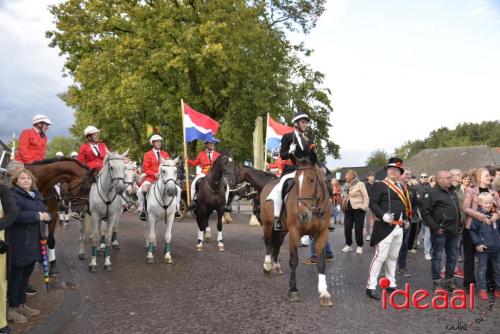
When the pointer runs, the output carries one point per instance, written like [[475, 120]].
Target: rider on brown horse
[[298, 144]]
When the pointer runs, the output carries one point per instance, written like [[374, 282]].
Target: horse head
[[114, 168], [228, 171], [168, 175], [310, 190]]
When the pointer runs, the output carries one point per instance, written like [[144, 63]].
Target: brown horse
[[77, 179], [307, 211], [211, 197]]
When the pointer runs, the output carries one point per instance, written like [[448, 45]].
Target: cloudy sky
[[398, 69]]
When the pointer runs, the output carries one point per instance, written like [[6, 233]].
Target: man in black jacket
[[441, 212], [295, 143], [391, 206]]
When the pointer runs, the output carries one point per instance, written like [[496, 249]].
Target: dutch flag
[[199, 126], [274, 133]]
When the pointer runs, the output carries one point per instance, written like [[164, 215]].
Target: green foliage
[[63, 144], [377, 158], [132, 61], [465, 134]]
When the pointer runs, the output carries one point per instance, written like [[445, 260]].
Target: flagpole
[[186, 167], [13, 151], [265, 146]]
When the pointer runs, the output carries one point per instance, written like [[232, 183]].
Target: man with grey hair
[[441, 212]]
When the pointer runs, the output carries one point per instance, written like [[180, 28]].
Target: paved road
[[214, 292]]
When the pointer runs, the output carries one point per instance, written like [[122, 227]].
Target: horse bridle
[[113, 185], [162, 202], [315, 210]]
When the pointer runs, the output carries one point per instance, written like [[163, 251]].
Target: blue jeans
[[447, 242], [426, 231], [403, 251], [328, 250], [483, 265]]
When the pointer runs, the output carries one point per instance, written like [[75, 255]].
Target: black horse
[[257, 179], [211, 196]]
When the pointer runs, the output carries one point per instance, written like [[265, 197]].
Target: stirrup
[[278, 225]]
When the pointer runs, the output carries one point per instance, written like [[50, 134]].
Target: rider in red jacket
[[92, 153], [206, 160], [150, 167], [33, 141]]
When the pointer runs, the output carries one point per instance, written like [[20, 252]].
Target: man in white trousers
[[391, 206]]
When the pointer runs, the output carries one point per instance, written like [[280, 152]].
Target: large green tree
[[377, 158], [465, 134], [132, 62]]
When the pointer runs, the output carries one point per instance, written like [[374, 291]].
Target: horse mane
[[52, 160]]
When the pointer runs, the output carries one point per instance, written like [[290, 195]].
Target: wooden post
[[186, 167], [265, 145]]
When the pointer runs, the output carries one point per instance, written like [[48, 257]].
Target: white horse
[[105, 204], [163, 199]]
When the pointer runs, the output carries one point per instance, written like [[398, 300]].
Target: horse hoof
[[167, 261], [278, 270], [150, 260], [53, 272], [293, 296], [325, 301], [81, 256], [116, 247], [267, 273], [93, 269], [221, 248], [108, 268], [199, 248], [208, 237]]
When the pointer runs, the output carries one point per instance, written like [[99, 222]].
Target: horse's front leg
[[151, 237], [220, 244], [114, 237], [168, 237], [103, 232], [51, 245], [277, 240], [110, 223], [324, 296], [293, 293], [95, 242]]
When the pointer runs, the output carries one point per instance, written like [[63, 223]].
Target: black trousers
[[469, 257], [413, 235], [354, 217], [18, 282]]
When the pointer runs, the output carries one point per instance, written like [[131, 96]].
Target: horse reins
[[316, 210], [113, 186], [162, 202]]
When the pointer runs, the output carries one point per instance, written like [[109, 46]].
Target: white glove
[[292, 149], [406, 224], [388, 217]]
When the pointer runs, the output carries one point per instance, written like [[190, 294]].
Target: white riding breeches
[[275, 194]]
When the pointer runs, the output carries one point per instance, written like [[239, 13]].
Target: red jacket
[[151, 165], [202, 159], [32, 146], [87, 155], [277, 166]]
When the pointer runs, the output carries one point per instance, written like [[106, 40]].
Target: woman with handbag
[[355, 204]]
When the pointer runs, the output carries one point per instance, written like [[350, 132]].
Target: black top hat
[[396, 163]]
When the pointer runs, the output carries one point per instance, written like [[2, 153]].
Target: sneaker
[[329, 257], [373, 294], [359, 251], [458, 273], [347, 249], [26, 310], [368, 237], [451, 284], [404, 273], [16, 317], [428, 257], [413, 251], [483, 294], [142, 215], [30, 291]]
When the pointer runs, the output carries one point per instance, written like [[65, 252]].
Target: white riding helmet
[[154, 138], [38, 118], [90, 130], [73, 154], [59, 154]]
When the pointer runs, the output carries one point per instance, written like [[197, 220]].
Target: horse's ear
[[124, 154], [176, 160]]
